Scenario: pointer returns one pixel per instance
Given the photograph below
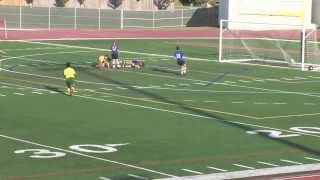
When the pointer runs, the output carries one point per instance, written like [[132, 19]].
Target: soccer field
[[151, 123]]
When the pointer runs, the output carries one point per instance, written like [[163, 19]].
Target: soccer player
[[115, 55], [69, 74], [178, 55], [102, 62]]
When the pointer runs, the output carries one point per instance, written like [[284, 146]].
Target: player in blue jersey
[[115, 55], [178, 55]]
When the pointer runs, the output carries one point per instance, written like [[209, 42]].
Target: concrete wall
[[10, 2], [266, 11], [316, 12]]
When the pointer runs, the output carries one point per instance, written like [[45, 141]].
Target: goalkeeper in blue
[[178, 55]]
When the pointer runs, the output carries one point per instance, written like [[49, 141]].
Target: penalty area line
[[85, 155]]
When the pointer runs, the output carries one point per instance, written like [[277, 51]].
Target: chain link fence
[[82, 18]]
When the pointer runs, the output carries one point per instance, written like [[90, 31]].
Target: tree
[[196, 2], [81, 2], [162, 4], [29, 1], [114, 3], [61, 3]]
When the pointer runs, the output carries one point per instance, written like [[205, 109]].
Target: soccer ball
[[310, 68]]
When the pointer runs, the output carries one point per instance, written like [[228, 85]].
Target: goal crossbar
[[241, 41]]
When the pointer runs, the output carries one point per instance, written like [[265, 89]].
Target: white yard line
[[35, 92], [217, 169], [180, 113], [244, 166], [291, 162], [137, 177], [268, 164], [192, 171], [314, 159], [279, 103], [84, 155], [170, 85], [104, 178], [237, 102]]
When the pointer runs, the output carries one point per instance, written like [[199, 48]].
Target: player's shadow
[[167, 71], [198, 113], [54, 89]]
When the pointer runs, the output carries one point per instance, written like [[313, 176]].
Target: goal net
[[3, 29], [278, 45]]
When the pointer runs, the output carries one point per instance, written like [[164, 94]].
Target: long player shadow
[[210, 116]]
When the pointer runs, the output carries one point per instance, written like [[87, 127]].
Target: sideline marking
[[192, 171], [298, 177], [20, 94], [85, 155], [3, 95]]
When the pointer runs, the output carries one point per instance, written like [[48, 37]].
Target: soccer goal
[[3, 29], [277, 45]]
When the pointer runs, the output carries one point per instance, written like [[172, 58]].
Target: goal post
[[278, 45], [3, 28]]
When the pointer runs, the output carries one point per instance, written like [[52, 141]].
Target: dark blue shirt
[[114, 49], [178, 55]]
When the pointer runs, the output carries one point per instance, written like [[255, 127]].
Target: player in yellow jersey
[[102, 62], [70, 75]]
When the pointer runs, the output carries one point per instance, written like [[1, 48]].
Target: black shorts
[[180, 63], [114, 56]]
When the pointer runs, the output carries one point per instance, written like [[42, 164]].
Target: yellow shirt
[[69, 72], [101, 60]]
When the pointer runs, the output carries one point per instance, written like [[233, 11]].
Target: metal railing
[[21, 17]]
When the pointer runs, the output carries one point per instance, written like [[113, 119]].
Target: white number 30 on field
[[85, 148]]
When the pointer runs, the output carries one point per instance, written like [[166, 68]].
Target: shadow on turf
[[207, 114], [165, 71], [55, 89]]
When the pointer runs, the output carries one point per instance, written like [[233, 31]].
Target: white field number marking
[[272, 133], [41, 153], [87, 148], [279, 134]]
